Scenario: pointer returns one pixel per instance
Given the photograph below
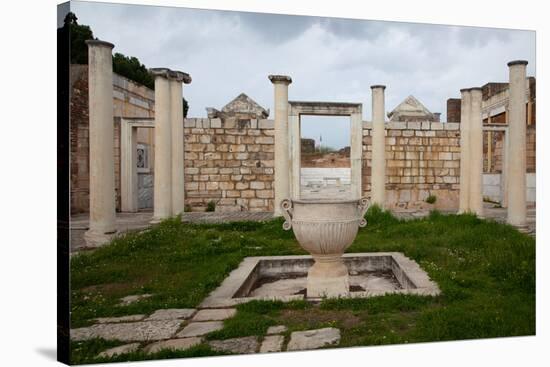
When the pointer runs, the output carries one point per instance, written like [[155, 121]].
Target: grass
[[486, 272]]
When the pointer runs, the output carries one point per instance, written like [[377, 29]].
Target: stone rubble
[[125, 301]]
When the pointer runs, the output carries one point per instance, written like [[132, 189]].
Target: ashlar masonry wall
[[230, 162], [422, 159]]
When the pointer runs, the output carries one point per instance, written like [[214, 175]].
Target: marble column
[[378, 166], [476, 153], [464, 194], [101, 140], [162, 194], [282, 154], [516, 158], [176, 116]]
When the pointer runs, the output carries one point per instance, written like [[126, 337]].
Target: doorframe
[[128, 161], [354, 111]]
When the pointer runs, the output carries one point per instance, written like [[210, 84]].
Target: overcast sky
[[329, 59]]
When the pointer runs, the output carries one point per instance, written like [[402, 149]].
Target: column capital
[[99, 43], [517, 62], [283, 79], [378, 86], [476, 90], [167, 73], [180, 76], [465, 90], [160, 72]]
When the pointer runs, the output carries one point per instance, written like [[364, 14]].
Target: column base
[[156, 220], [328, 277], [95, 238], [523, 228]]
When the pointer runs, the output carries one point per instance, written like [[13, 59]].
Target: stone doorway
[[325, 170], [297, 109], [136, 160]]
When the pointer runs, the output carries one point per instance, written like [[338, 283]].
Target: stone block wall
[[79, 145], [422, 159], [230, 162], [531, 148]]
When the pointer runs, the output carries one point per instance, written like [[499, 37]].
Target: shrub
[[431, 199], [211, 206]]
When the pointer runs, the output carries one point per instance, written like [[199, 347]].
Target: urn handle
[[363, 205], [286, 206]]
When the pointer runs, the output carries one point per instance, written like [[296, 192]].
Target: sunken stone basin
[[284, 278], [325, 229]]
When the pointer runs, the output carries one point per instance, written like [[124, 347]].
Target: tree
[[185, 107], [78, 34], [133, 69]]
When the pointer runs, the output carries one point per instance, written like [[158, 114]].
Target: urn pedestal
[[325, 228]]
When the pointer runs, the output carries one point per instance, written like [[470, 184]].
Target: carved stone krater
[[325, 229]]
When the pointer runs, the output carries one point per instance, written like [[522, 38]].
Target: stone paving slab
[[313, 339], [173, 344], [122, 349], [200, 328], [171, 314], [112, 320], [278, 329], [214, 314], [132, 331], [272, 343], [244, 345]]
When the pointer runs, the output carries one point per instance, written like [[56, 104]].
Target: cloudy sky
[[329, 59]]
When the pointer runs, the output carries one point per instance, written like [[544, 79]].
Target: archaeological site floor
[[144, 296]]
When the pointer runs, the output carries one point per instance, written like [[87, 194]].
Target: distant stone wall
[[496, 162], [230, 162], [422, 159]]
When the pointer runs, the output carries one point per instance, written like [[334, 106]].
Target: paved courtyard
[[181, 329]]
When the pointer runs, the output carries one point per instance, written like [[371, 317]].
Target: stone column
[[176, 116], [516, 159], [163, 146], [101, 140], [476, 152], [464, 194], [282, 154], [378, 171]]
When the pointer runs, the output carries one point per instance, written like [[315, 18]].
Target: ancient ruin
[[240, 159]]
